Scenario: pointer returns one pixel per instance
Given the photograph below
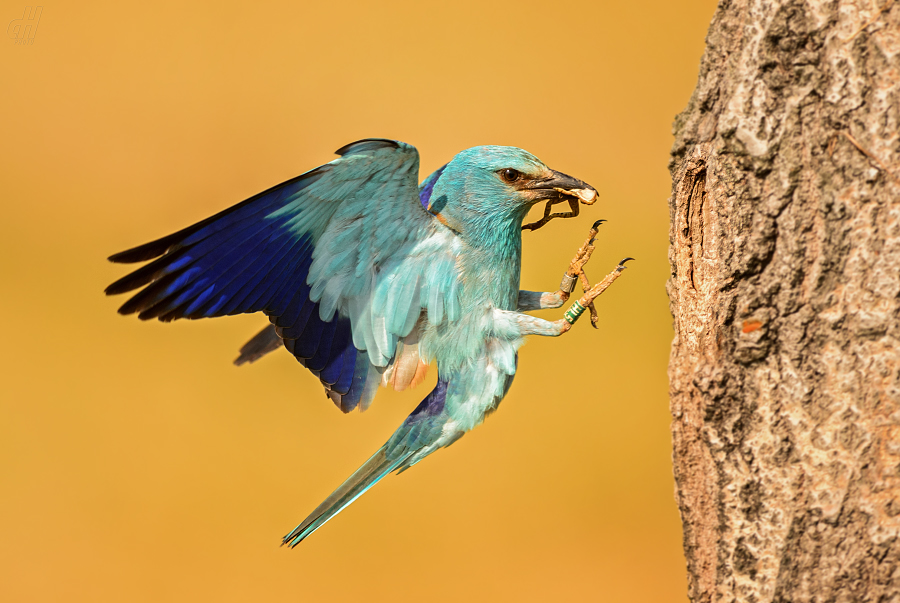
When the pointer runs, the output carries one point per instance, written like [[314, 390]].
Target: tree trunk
[[785, 292]]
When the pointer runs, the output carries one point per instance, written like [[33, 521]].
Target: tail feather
[[419, 435], [372, 471]]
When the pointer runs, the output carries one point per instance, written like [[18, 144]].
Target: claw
[[594, 229], [622, 263]]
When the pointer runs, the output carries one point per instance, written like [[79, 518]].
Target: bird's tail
[[372, 471], [418, 436]]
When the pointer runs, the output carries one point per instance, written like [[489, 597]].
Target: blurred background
[[138, 464]]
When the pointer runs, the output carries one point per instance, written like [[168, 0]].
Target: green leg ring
[[573, 313]]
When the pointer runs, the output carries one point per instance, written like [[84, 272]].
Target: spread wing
[[343, 259]]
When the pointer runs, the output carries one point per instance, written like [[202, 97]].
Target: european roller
[[368, 277]]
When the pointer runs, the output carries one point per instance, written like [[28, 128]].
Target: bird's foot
[[576, 270], [590, 294]]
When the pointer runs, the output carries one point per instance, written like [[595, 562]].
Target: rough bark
[[785, 292]]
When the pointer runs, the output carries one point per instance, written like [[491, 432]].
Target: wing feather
[[343, 259]]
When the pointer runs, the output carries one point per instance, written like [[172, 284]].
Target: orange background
[[137, 464]]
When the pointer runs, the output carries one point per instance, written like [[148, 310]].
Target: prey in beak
[[558, 188]]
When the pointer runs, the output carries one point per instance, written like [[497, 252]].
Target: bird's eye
[[510, 175]]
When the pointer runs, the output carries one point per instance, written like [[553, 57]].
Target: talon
[[597, 223], [622, 263]]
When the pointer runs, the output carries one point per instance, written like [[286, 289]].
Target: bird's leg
[[532, 300], [523, 324], [589, 296], [573, 205], [576, 268]]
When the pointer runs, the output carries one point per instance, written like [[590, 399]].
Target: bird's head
[[492, 187]]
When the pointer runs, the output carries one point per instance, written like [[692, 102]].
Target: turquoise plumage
[[367, 278]]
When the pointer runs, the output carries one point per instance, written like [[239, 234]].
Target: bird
[[368, 277]]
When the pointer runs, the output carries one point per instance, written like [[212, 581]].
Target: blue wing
[[343, 259]]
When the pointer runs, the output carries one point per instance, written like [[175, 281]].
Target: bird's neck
[[496, 240], [494, 260]]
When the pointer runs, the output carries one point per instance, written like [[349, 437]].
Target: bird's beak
[[560, 186]]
